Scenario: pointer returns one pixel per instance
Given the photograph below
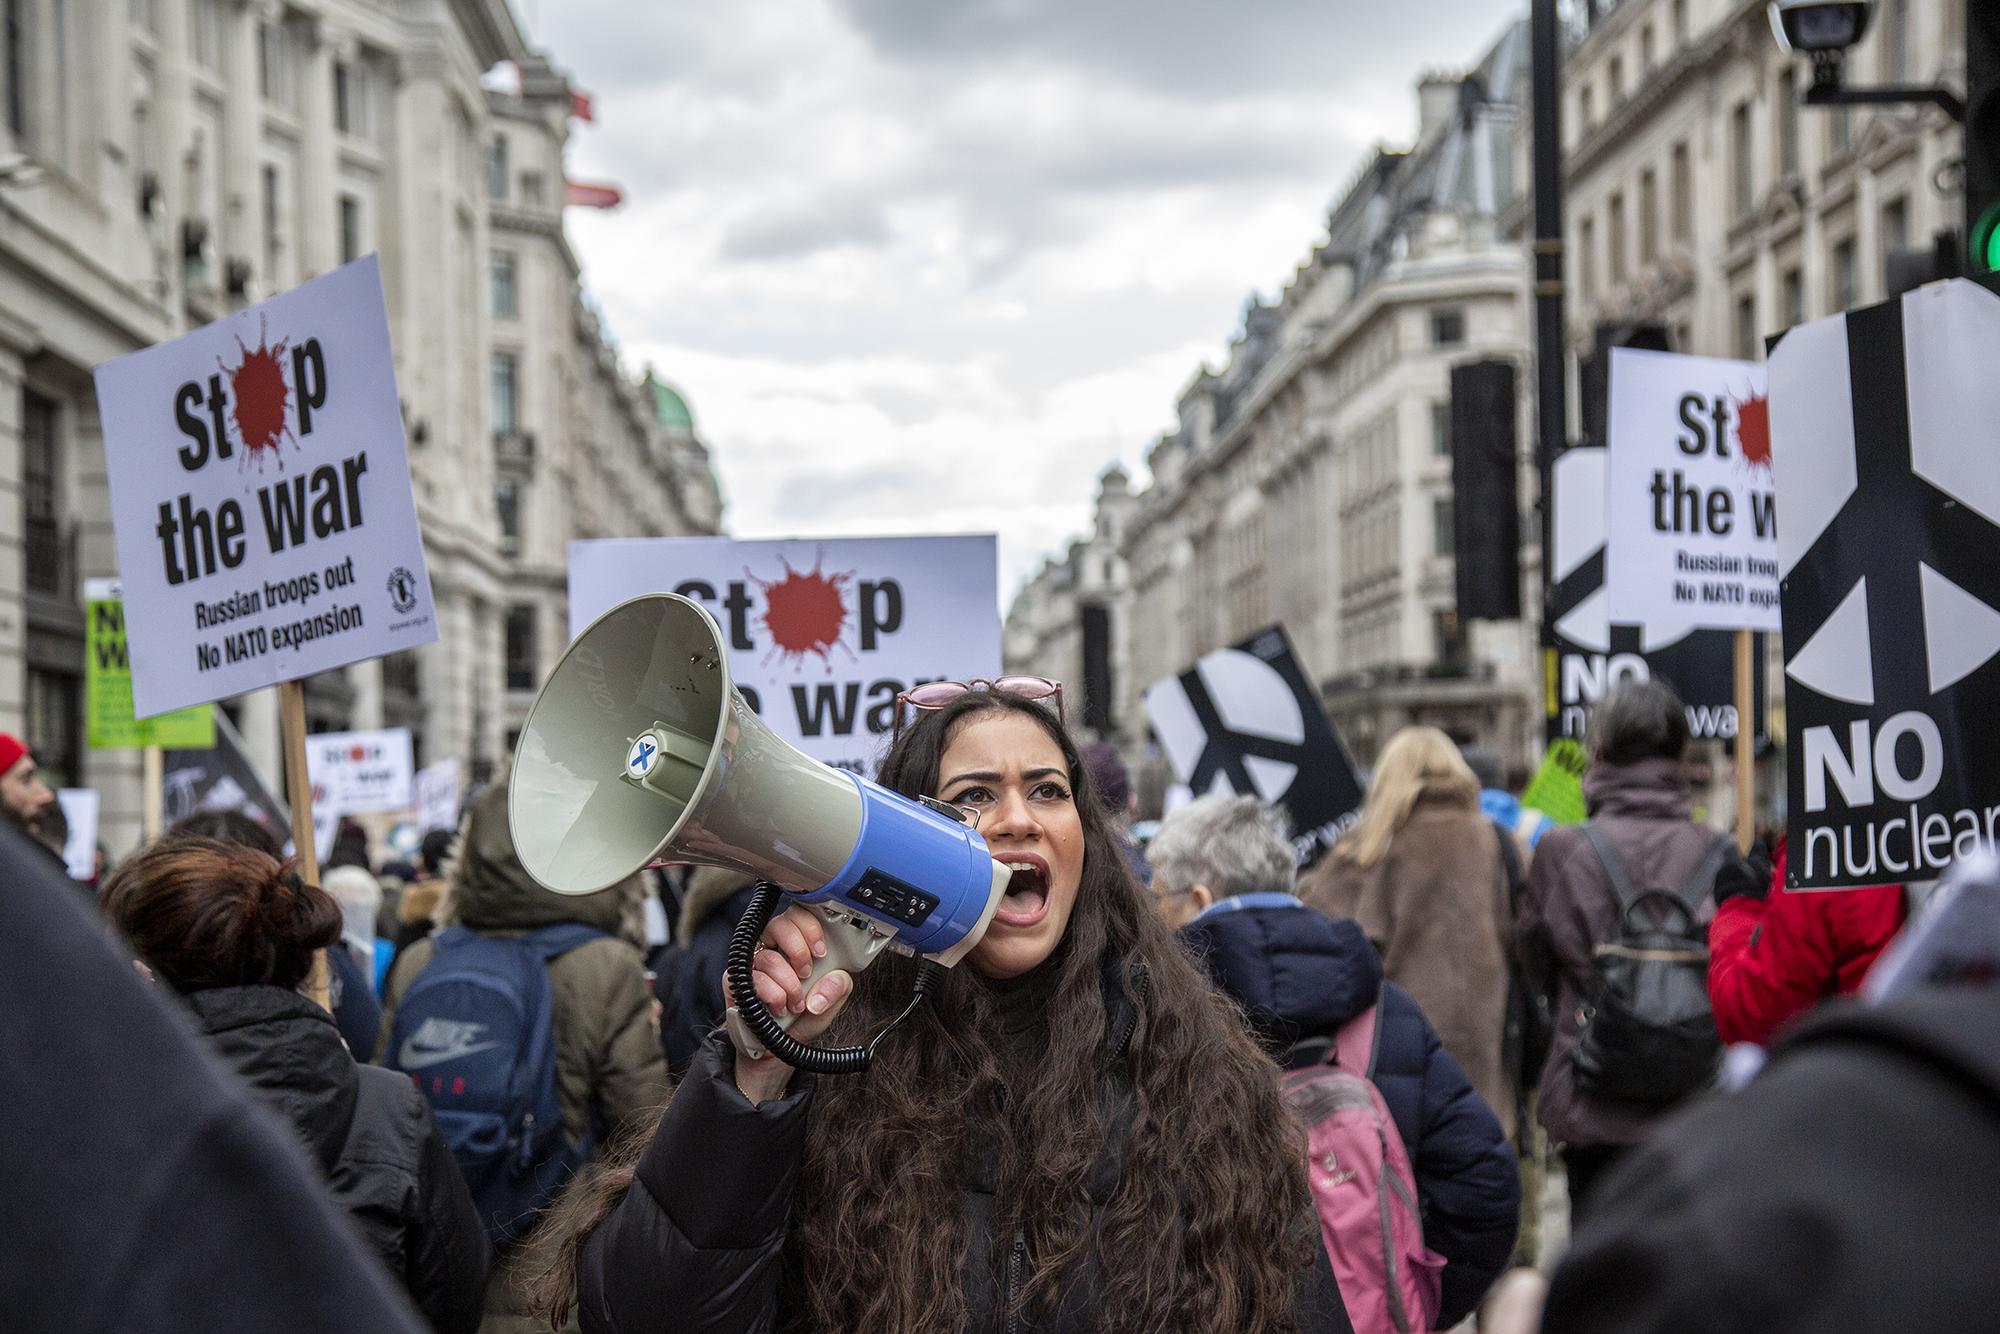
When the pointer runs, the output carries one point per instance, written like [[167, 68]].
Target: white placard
[[436, 804], [1692, 513], [822, 635], [80, 807], [356, 772], [260, 493]]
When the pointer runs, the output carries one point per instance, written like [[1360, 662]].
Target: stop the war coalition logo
[[261, 496], [1884, 427], [822, 635]]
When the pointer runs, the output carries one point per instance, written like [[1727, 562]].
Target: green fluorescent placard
[[1557, 787], [107, 683]]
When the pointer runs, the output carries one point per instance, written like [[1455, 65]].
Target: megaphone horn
[[639, 751]]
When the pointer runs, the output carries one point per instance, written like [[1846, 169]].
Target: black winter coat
[[688, 975], [373, 1137], [695, 1246], [1300, 975], [1847, 1190]]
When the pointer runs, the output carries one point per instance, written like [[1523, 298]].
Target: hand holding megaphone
[[791, 978], [639, 751]]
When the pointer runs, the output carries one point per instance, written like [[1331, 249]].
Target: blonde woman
[[1422, 873]]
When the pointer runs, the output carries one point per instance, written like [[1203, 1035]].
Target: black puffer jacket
[[695, 1246], [371, 1134]]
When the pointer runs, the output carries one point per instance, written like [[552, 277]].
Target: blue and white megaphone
[[639, 752]]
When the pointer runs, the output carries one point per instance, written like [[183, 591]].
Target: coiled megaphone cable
[[765, 1026]]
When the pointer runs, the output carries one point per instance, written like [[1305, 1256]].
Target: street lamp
[[1824, 30]]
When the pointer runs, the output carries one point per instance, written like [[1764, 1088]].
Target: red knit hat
[[12, 748]]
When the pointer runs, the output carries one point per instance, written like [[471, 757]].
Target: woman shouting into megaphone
[[1077, 1133]]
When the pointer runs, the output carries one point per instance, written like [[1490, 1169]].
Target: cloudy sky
[[932, 265]]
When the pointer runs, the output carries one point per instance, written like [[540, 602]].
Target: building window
[[1843, 293], [1788, 123], [1614, 240], [1746, 328], [496, 168], [1682, 187], [1896, 40], [1793, 296], [354, 99], [1646, 49], [41, 493], [277, 64], [1649, 216], [501, 278], [14, 17], [1839, 130], [1447, 327], [1586, 259], [1441, 430], [506, 394], [274, 243], [507, 509], [531, 187], [1616, 78], [1895, 226], [351, 244], [55, 724], [522, 670], [1680, 22], [208, 34], [1442, 541], [1585, 112], [1743, 176]]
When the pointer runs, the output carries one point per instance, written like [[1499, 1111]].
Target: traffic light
[[1982, 134], [1486, 507]]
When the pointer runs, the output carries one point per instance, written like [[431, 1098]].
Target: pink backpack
[[1363, 1188]]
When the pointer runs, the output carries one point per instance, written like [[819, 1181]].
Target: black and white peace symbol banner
[[1584, 655], [1245, 720], [1885, 432]]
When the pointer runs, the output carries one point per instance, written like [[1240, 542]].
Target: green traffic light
[[1986, 241]]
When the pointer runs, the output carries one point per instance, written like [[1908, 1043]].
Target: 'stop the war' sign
[[1693, 536], [260, 495], [822, 635], [1885, 423]]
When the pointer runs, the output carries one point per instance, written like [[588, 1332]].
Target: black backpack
[[1646, 1032]]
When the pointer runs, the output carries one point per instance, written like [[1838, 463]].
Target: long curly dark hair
[[1208, 1227]]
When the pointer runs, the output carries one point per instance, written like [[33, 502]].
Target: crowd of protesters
[[1177, 1086]]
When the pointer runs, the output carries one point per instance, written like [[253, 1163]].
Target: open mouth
[[1026, 901]]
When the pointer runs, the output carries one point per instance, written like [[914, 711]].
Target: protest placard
[[260, 496], [822, 635], [357, 772], [1586, 654], [80, 807], [1245, 720], [1693, 519], [1556, 790], [436, 803], [221, 778], [107, 685], [1883, 425]]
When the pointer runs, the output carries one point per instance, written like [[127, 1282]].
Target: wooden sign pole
[[1746, 742], [298, 786], [152, 790]]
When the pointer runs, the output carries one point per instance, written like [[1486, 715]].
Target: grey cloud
[[794, 233]]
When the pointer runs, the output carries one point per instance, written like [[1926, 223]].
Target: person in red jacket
[[1774, 953]]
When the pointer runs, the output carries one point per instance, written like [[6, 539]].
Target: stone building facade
[[1309, 481], [163, 162]]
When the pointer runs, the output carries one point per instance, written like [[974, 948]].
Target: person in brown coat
[[1636, 793], [609, 1068], [1422, 873]]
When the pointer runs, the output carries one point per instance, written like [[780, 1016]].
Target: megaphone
[[639, 751]]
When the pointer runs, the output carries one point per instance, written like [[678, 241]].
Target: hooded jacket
[[697, 1242], [607, 1061], [1299, 975], [1568, 908], [1772, 959], [1436, 908], [373, 1138], [690, 972]]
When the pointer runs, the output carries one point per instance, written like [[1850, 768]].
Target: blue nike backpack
[[476, 1033]]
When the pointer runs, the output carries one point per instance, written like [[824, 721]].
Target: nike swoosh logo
[[413, 1057]]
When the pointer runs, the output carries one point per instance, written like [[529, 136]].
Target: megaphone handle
[[848, 947]]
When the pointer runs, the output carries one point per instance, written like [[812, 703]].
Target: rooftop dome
[[668, 405]]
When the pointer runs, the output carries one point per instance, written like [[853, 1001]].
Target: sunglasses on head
[[936, 694]]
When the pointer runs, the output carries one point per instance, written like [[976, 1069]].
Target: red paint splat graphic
[[261, 397], [805, 612], [1753, 430], [357, 753]]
